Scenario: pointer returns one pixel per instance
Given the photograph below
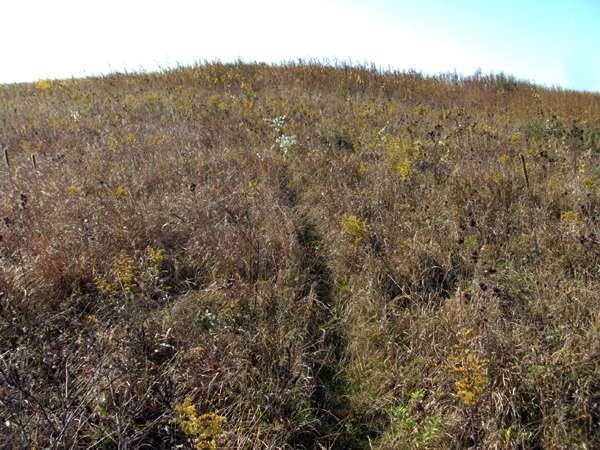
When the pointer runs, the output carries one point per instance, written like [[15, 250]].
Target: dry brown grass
[[418, 270]]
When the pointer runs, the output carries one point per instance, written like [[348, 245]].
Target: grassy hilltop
[[249, 256]]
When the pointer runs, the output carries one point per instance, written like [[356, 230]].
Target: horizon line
[[333, 62]]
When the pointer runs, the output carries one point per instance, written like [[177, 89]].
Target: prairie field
[[299, 256]]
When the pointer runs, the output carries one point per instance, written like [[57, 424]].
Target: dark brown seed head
[[23, 202]]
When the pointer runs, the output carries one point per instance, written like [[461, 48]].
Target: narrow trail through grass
[[332, 422]]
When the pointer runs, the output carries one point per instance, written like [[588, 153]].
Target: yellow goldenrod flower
[[355, 228], [571, 217], [42, 84], [204, 429], [119, 192]]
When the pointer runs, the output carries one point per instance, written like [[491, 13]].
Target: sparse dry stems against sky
[[551, 43]]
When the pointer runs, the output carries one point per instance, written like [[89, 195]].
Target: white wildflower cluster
[[381, 138], [278, 123], [285, 142]]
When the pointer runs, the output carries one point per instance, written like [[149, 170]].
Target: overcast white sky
[[63, 38]]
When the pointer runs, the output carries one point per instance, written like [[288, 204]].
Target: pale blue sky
[[547, 41]]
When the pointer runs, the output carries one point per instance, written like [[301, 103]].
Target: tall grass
[[298, 256]]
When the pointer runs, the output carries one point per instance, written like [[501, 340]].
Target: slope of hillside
[[248, 256]]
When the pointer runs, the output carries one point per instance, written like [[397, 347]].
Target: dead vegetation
[[249, 256]]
